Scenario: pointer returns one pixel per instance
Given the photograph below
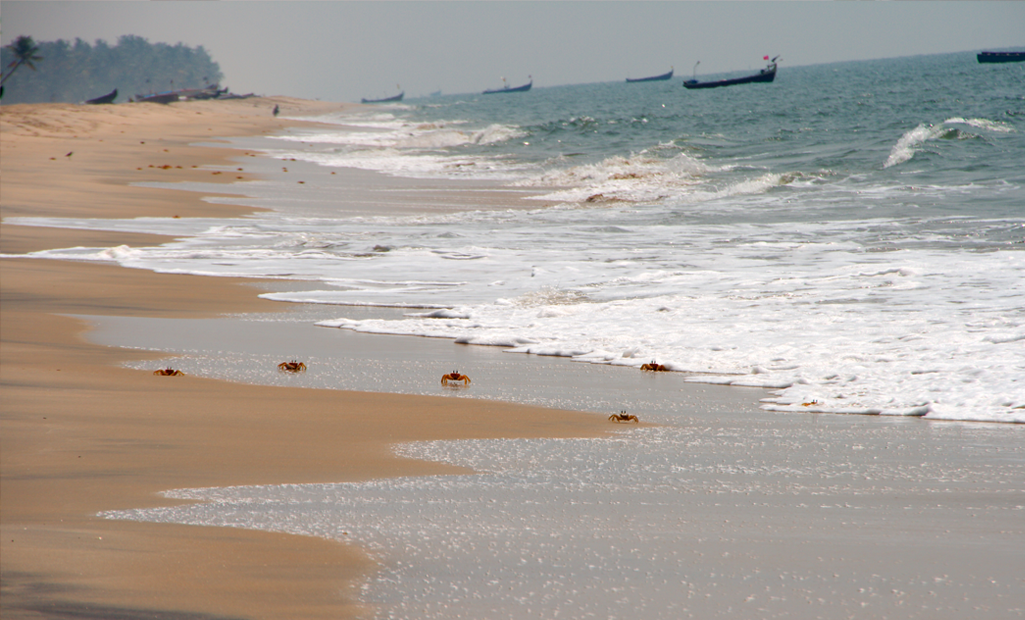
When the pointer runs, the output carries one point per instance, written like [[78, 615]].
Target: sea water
[[850, 237]]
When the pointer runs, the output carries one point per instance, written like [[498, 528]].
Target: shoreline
[[81, 434], [804, 494]]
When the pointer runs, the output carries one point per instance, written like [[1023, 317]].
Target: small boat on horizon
[[767, 74], [396, 98], [507, 89], [654, 78], [108, 98], [985, 57]]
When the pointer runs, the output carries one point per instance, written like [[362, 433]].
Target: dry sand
[[79, 434]]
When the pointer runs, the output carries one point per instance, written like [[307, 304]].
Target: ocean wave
[[982, 123], [634, 178], [830, 328], [416, 150], [411, 163], [965, 378], [909, 143], [398, 134]]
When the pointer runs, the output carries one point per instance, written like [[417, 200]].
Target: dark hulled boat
[[210, 92], [654, 78], [506, 89], [108, 98], [767, 74], [396, 98], [1001, 56], [183, 94], [167, 97]]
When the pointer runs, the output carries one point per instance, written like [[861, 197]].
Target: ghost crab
[[455, 377], [623, 416], [292, 366]]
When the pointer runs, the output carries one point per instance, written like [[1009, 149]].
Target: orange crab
[[292, 366], [623, 416], [454, 376], [654, 366], [168, 372]]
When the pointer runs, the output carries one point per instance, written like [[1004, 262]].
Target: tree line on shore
[[65, 72]]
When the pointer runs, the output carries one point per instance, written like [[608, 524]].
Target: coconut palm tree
[[24, 50]]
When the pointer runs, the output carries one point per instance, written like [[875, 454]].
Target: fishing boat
[[767, 74], [166, 97], [108, 98], [506, 89], [210, 92], [1001, 56], [184, 94], [654, 78], [394, 99]]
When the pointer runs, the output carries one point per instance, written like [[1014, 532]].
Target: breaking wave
[[909, 143]]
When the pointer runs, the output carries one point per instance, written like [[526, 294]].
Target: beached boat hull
[[394, 99], [184, 94], [210, 92], [985, 57], [654, 78], [517, 89], [159, 98], [766, 75], [108, 98]]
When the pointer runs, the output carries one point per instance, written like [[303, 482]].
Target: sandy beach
[[717, 510], [81, 434]]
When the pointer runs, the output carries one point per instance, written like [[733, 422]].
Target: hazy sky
[[342, 51]]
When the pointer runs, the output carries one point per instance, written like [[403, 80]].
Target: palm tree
[[24, 50]]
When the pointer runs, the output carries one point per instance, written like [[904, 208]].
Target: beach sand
[[81, 434]]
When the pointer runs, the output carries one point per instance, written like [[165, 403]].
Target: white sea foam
[[826, 353], [387, 144], [982, 123], [799, 308], [403, 136], [905, 147], [642, 177]]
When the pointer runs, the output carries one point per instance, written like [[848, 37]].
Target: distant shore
[[81, 434]]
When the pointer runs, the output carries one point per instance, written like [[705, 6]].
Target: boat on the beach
[[184, 94], [210, 92], [654, 78], [396, 98], [227, 96], [985, 57], [507, 89], [767, 74], [108, 98], [166, 97]]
